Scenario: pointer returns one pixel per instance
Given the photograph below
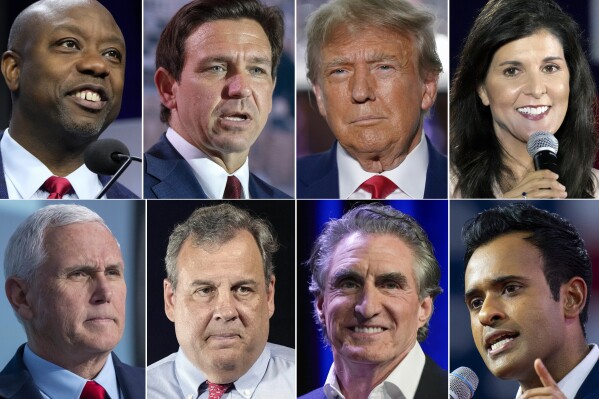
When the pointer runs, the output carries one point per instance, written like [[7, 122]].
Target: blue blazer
[[116, 191], [432, 385], [168, 175], [318, 176], [590, 386], [16, 382]]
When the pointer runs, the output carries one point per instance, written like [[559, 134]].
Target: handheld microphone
[[108, 157], [462, 383], [542, 147]]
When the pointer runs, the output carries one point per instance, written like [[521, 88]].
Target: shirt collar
[[572, 382], [25, 174], [409, 176], [402, 382], [56, 382], [190, 377], [211, 176]]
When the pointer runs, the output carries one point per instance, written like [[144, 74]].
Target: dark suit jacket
[[16, 382], [168, 175], [116, 191], [432, 385], [318, 176], [590, 386]]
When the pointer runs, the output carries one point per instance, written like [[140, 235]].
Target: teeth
[[500, 344], [368, 330], [88, 95], [235, 118], [533, 110]]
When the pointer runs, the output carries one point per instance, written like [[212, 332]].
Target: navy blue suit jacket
[[16, 382], [432, 385], [116, 191], [168, 175], [318, 175], [590, 386]]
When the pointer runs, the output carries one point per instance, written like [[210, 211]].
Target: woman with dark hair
[[522, 70]]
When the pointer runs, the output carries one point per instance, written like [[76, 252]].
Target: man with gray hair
[[374, 278], [373, 66], [64, 278], [219, 293]]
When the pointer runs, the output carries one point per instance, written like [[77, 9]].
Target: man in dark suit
[[374, 69], [374, 280], [527, 288], [65, 69], [65, 282], [216, 66]]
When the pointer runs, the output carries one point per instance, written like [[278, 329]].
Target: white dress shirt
[[55, 382], [572, 382], [25, 174], [402, 383], [272, 376], [409, 176], [211, 176]]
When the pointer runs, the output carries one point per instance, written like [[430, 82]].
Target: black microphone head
[[541, 141], [462, 383], [99, 156]]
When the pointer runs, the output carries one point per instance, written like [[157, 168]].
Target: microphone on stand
[[542, 147], [108, 157], [462, 383]]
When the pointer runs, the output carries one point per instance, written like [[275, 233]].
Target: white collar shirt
[[409, 176], [211, 176]]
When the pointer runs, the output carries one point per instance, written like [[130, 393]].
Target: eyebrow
[[393, 276], [255, 59], [519, 63], [196, 283], [497, 281], [345, 274], [378, 57], [71, 28]]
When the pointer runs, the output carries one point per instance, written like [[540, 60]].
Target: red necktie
[[93, 390], [232, 189], [216, 391], [57, 187], [379, 186]]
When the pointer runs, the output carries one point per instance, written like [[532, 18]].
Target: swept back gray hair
[[25, 251], [399, 16], [376, 218], [215, 225]]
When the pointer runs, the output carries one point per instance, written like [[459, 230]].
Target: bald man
[[65, 69]]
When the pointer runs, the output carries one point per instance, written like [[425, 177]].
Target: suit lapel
[[590, 386]]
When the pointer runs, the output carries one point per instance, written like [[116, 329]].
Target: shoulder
[[595, 182], [261, 189], [281, 353], [162, 380], [162, 364]]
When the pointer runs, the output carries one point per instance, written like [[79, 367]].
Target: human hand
[[538, 184], [549, 389]]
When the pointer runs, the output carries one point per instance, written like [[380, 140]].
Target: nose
[[368, 303], [225, 306], [239, 85], [491, 312], [93, 63], [362, 85], [102, 289], [535, 85]]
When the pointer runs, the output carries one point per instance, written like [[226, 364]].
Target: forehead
[[372, 254], [222, 36], [508, 255], [366, 41], [82, 16], [540, 44], [240, 256]]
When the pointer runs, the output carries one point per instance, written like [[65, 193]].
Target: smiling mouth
[[533, 111], [500, 342], [368, 330]]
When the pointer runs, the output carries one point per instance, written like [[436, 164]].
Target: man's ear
[[320, 100], [11, 69], [318, 308], [574, 294], [16, 292], [166, 85], [429, 94], [169, 300]]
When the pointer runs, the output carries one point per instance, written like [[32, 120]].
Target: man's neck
[[84, 365], [357, 380]]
